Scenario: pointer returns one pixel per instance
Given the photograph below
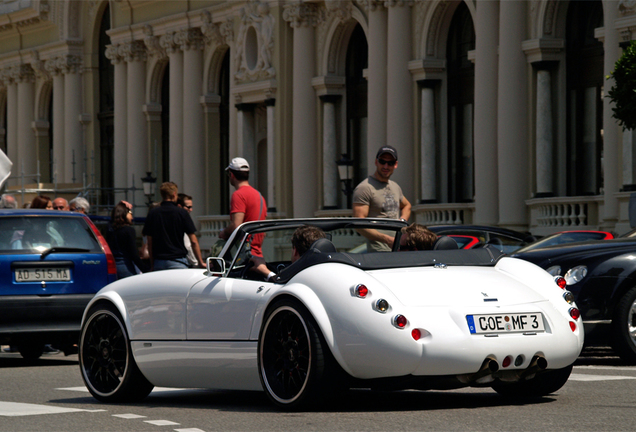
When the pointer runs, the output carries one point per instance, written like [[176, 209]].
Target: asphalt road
[[49, 395]]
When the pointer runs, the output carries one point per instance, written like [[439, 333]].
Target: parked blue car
[[51, 265]]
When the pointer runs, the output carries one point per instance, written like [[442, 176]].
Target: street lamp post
[[345, 172], [150, 184]]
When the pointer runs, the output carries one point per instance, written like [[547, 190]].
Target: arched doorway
[[461, 97], [584, 77], [356, 88]]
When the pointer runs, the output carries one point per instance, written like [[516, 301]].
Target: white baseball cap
[[238, 164]]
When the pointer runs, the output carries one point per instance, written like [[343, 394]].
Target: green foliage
[[623, 93]]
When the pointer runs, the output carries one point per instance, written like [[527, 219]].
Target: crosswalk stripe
[[16, 409], [586, 377]]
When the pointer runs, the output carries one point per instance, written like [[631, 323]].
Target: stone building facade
[[496, 107]]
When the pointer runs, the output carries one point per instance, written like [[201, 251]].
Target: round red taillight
[[361, 291], [573, 326], [575, 313], [507, 361], [417, 334], [400, 321], [560, 281]]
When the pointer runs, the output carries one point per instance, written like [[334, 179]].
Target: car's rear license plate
[[505, 323], [49, 274]]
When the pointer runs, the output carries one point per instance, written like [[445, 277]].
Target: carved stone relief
[[255, 43], [627, 7]]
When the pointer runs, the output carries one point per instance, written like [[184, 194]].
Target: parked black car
[[503, 239], [602, 276]]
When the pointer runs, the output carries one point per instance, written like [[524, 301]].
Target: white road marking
[[16, 409], [617, 368], [586, 377], [161, 422], [155, 390], [129, 416], [189, 430]]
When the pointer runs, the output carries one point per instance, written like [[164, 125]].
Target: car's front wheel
[[106, 361], [295, 365], [624, 327], [542, 384]]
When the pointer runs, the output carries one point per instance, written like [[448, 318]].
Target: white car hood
[[457, 286]]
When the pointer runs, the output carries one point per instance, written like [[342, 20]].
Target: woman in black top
[[121, 238]]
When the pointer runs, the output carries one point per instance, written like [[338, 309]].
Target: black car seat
[[324, 245], [445, 243]]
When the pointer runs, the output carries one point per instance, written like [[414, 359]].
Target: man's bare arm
[[405, 209], [236, 219], [362, 211], [196, 249]]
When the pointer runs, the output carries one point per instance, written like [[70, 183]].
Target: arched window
[[584, 63], [461, 97], [356, 87]]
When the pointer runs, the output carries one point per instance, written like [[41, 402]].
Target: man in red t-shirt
[[246, 205]]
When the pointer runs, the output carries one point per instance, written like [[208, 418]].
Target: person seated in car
[[302, 239], [417, 237]]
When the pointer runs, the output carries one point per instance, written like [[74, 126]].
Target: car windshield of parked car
[[564, 237], [36, 234]]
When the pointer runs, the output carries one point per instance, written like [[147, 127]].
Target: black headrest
[[445, 243], [324, 245]]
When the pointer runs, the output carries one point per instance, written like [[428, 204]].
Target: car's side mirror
[[216, 266]]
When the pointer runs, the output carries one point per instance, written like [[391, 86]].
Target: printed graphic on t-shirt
[[390, 206]]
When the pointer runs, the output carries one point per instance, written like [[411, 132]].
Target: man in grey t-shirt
[[378, 196]]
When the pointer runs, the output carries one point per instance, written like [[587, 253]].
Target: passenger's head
[[79, 204], [60, 203], [303, 238], [121, 215], [8, 202], [185, 201], [42, 202], [417, 237], [169, 191]]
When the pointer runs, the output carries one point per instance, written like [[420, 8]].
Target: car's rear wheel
[[542, 384], [31, 351], [624, 327], [295, 365], [106, 361]]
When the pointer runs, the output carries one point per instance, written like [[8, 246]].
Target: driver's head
[[303, 238]]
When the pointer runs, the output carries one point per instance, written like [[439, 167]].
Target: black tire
[[31, 351], [624, 327], [542, 384], [295, 365], [106, 361]]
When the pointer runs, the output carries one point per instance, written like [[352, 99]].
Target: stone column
[[428, 147], [303, 17], [175, 57], [12, 125], [330, 179], [215, 167], [611, 147], [377, 79], [399, 92], [191, 42], [53, 67], [486, 48], [73, 137], [545, 141], [271, 154], [120, 153], [512, 116], [629, 160], [27, 152], [136, 164]]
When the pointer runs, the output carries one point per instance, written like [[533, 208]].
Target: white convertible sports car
[[333, 320]]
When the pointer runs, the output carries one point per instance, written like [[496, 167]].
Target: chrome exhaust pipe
[[484, 374], [537, 364]]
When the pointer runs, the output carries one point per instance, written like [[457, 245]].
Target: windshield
[[565, 237]]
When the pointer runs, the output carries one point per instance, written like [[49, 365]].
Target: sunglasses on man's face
[[58, 207], [386, 162], [188, 207]]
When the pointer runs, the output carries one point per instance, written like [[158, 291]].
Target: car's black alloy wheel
[[108, 367], [624, 327], [291, 356]]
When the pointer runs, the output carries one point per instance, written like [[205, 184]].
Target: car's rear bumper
[[47, 318]]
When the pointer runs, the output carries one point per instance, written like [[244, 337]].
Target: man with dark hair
[[302, 239], [379, 196], [417, 237], [185, 202], [246, 205], [164, 229]]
